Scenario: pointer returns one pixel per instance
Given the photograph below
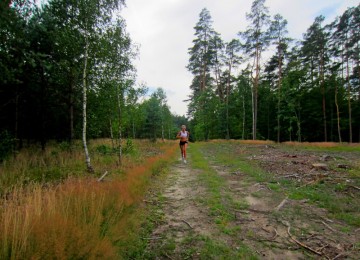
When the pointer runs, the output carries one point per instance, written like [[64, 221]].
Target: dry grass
[[256, 142], [260, 142], [77, 219], [322, 144]]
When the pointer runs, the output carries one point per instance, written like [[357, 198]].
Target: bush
[[6, 144], [104, 149], [129, 146]]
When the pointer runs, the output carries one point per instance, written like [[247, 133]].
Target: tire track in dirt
[[184, 216], [182, 212]]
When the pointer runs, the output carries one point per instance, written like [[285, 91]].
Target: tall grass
[[60, 161], [78, 218], [333, 146]]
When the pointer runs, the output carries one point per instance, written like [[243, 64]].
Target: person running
[[183, 135]]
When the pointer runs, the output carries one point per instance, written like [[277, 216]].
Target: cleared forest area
[[260, 201]]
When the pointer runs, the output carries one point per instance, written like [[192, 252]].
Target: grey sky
[[164, 31]]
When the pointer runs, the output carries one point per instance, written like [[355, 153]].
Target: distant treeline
[[308, 90], [51, 56]]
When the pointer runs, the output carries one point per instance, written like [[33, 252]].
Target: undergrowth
[[79, 217], [60, 161]]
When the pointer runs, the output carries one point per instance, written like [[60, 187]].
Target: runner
[[183, 135]]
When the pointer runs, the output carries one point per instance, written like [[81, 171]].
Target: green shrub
[[6, 144]]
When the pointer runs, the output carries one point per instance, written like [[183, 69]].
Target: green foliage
[[307, 91], [7, 143], [129, 146], [105, 149]]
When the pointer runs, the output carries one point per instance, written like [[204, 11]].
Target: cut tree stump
[[320, 166]]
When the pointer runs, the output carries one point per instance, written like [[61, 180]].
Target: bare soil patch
[[280, 228]]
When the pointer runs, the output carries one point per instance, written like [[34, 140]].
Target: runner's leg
[[184, 150]]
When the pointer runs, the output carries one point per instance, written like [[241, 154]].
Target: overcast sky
[[164, 30]]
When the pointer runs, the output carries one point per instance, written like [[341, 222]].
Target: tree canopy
[[307, 90]]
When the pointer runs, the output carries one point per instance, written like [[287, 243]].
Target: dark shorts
[[183, 142]]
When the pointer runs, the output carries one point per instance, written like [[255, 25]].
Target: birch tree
[[91, 16]]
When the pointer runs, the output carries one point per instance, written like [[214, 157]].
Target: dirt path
[[271, 226]]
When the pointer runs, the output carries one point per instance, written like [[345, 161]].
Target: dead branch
[[267, 231], [242, 211], [103, 176], [151, 238], [308, 183], [281, 204], [275, 235], [339, 255], [187, 223], [258, 211], [355, 187], [298, 242], [326, 225], [322, 248], [328, 220], [259, 189], [290, 175], [311, 236]]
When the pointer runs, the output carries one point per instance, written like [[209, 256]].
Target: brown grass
[[79, 218], [321, 144], [243, 141]]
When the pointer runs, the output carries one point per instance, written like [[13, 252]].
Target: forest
[[273, 167], [308, 90], [66, 58], [66, 67]]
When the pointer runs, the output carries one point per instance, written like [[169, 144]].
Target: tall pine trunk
[[71, 110], [227, 104], [322, 86], [255, 90], [349, 98], [279, 92], [244, 114], [337, 113]]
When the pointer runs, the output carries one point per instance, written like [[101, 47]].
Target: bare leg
[[184, 151]]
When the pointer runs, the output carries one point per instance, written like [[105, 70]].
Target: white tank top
[[183, 134]]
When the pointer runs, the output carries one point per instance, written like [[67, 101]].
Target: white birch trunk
[[111, 133], [87, 156], [120, 126]]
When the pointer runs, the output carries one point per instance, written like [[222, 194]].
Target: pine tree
[[278, 35], [256, 41], [314, 49]]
